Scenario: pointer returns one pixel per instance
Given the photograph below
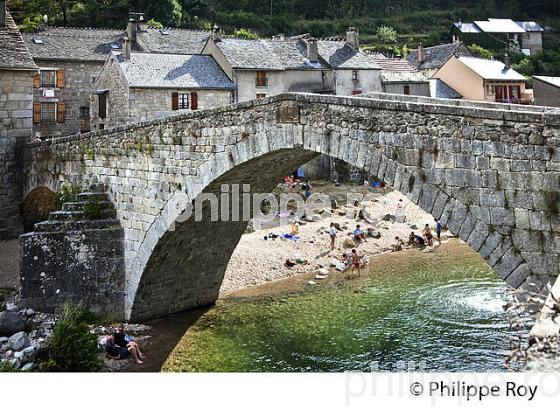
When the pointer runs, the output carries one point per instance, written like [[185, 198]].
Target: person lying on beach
[[121, 339], [359, 235], [120, 352]]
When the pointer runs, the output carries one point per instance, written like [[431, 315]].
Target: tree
[[387, 34], [481, 52]]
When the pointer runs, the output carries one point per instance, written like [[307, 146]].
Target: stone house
[[479, 79], [262, 68], [69, 60], [522, 36], [430, 59], [141, 86], [17, 71], [546, 91]]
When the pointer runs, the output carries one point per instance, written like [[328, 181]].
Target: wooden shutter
[[194, 101], [102, 111], [60, 112], [60, 78], [37, 80], [36, 113], [174, 101]]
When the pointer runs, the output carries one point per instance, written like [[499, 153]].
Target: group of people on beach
[[426, 239], [291, 181]]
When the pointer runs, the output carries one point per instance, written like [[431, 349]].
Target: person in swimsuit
[[356, 261], [428, 235]]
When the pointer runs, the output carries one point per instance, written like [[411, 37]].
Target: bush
[[72, 347], [481, 52], [66, 193], [92, 208], [387, 34]]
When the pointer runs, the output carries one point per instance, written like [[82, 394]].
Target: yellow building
[[479, 79]]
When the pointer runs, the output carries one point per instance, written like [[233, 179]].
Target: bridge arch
[[470, 166]]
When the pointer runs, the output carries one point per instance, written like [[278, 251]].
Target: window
[[260, 96], [84, 112], [194, 101], [103, 105], [355, 76], [48, 78], [183, 101], [48, 112], [261, 79], [406, 90], [84, 119]]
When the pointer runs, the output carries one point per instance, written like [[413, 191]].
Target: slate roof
[[340, 55], [491, 69], [146, 70], [440, 89], [13, 52], [267, 54], [393, 64], [172, 41], [435, 57], [530, 26], [80, 44], [555, 81]]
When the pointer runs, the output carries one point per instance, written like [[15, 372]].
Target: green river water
[[437, 312]]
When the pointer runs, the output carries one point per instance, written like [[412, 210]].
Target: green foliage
[[480, 51], [154, 24], [67, 193], [387, 34], [7, 367], [31, 24], [92, 208], [72, 347], [245, 34]]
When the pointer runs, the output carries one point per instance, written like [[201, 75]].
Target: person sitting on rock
[[120, 352], [359, 235], [411, 239], [123, 340]]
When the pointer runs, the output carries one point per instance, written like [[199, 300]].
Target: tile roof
[[440, 89], [393, 64], [172, 41], [555, 81], [340, 55], [435, 57], [148, 70], [81, 44], [13, 52], [491, 69]]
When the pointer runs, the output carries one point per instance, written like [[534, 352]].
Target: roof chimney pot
[[126, 48], [421, 54], [312, 50], [353, 38]]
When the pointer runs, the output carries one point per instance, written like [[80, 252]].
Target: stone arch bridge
[[490, 172]]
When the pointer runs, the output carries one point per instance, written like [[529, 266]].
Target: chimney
[[126, 48], [421, 54], [131, 30], [353, 38], [312, 50], [142, 25], [507, 62], [2, 13]]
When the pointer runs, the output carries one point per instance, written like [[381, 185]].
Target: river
[[438, 311]]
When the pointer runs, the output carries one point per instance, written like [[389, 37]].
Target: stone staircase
[[72, 216]]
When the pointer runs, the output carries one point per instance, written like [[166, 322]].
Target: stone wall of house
[[79, 77], [420, 89], [546, 94], [490, 173], [110, 78], [368, 81], [16, 113], [148, 104]]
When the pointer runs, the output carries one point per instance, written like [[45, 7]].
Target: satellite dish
[[46, 18]]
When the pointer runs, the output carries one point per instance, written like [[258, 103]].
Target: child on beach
[[332, 234]]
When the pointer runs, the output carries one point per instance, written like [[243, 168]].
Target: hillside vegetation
[[414, 21]]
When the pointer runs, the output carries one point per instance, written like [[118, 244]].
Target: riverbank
[[261, 256]]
